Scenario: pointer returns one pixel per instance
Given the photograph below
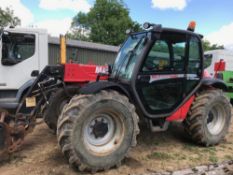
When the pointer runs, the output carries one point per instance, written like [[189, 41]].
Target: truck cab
[[24, 52]]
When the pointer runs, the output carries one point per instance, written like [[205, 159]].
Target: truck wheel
[[56, 103], [209, 118], [95, 132]]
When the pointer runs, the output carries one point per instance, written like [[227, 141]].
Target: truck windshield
[[207, 60], [17, 47], [127, 56]]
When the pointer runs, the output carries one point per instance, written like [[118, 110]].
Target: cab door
[[194, 65], [18, 59], [161, 80]]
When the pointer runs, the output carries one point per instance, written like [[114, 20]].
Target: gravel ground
[[225, 168]]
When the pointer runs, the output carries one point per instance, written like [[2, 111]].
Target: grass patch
[[208, 151], [160, 156], [223, 145], [156, 142], [213, 158], [228, 157], [179, 156], [191, 148]]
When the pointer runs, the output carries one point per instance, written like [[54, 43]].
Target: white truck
[[24, 52], [214, 56], [220, 65]]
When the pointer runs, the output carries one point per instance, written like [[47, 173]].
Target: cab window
[[166, 55], [17, 48], [194, 56]]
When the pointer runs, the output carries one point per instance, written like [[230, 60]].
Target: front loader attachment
[[5, 140], [14, 127], [12, 133]]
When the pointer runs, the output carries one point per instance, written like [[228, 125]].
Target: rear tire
[[56, 103], [209, 118], [95, 132]]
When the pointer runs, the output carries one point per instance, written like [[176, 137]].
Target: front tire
[[95, 132], [56, 103], [209, 118]]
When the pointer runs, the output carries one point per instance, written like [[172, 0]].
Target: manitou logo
[[173, 76], [101, 69]]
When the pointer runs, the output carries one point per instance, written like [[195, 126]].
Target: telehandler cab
[[158, 76]]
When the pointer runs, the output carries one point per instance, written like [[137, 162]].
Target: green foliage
[[107, 22], [7, 18], [77, 34], [208, 46]]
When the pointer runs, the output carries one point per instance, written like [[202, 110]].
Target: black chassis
[[128, 88]]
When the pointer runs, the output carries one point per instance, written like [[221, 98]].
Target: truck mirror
[[8, 61], [35, 73]]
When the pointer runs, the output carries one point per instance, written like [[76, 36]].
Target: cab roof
[[181, 31]]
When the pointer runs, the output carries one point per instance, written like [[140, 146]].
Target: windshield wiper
[[133, 52], [128, 55]]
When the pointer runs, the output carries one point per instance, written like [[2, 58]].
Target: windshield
[[17, 47], [207, 60], [127, 56]]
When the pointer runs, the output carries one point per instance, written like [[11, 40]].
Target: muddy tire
[[56, 103], [209, 118], [95, 132]]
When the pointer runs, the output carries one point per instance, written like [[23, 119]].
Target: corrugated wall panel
[[82, 55]]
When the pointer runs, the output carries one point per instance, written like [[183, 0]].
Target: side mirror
[[35, 73], [8, 61]]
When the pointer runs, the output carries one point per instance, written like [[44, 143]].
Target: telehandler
[[158, 77]]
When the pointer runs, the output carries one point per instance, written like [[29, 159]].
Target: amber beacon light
[[192, 26]]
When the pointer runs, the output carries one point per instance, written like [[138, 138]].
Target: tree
[[7, 18], [106, 22], [208, 46], [78, 34]]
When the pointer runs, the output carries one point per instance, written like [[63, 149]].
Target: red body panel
[[219, 66], [182, 112], [83, 73]]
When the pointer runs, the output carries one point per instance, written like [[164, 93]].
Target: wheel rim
[[216, 119], [103, 133]]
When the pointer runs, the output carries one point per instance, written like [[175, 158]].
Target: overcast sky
[[214, 17]]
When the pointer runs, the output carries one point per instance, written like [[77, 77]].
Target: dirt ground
[[155, 152]]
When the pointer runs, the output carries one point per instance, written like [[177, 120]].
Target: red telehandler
[[158, 76]]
